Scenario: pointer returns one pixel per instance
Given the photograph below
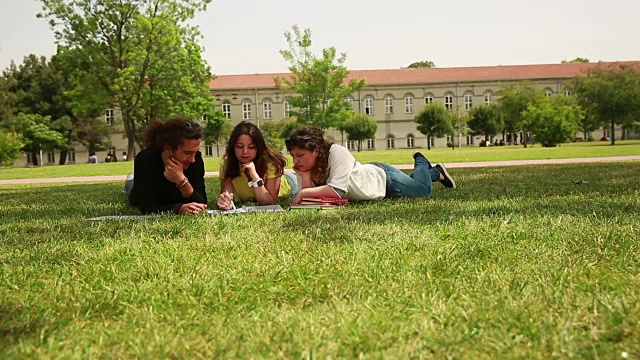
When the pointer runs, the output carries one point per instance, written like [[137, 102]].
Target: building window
[[408, 103], [488, 97], [71, 155], [428, 99], [208, 150], [468, 101], [108, 117], [606, 132], [349, 101], [391, 142], [371, 144], [350, 144], [548, 92], [469, 139], [567, 93], [31, 158], [368, 105], [51, 157], [410, 141], [432, 141], [267, 105], [448, 101], [449, 139], [287, 108], [246, 109], [226, 109], [388, 104]]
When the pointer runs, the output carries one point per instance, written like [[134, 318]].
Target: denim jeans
[[418, 184], [292, 179], [128, 185]]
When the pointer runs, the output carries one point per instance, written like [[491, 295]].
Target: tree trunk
[[613, 133], [63, 157]]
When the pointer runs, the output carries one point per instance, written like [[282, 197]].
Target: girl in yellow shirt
[[252, 171]]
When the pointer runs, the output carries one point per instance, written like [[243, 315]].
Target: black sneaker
[[417, 154], [448, 180]]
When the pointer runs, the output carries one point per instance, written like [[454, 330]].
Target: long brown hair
[[264, 155], [172, 132], [310, 138]]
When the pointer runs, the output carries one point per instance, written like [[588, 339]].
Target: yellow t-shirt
[[244, 192]]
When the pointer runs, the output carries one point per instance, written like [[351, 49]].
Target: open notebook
[[246, 209]]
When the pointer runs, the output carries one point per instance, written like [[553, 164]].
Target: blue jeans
[[128, 185], [292, 179], [418, 184]]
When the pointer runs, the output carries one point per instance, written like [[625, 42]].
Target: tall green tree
[[320, 83], [217, 128], [610, 95], [486, 120], [7, 102], [37, 135], [10, 145], [359, 127], [40, 87], [434, 120], [514, 100], [421, 64], [139, 56], [554, 120]]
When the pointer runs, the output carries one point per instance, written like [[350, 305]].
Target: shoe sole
[[446, 175]]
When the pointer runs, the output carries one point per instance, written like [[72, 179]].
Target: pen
[[232, 204]]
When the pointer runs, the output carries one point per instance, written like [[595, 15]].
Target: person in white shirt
[[330, 170]]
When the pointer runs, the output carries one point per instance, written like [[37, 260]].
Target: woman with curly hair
[[252, 171], [330, 170]]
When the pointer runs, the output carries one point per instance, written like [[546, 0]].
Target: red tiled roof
[[422, 76]]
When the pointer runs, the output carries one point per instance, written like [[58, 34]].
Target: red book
[[325, 200]]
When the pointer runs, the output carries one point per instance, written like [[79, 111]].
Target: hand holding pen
[[225, 201]]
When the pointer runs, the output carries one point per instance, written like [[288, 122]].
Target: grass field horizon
[[394, 157], [514, 263]]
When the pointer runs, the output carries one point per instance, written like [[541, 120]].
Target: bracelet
[[183, 182]]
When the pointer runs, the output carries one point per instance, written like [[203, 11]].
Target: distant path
[[402, 167]]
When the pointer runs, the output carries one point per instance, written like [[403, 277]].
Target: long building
[[392, 98]]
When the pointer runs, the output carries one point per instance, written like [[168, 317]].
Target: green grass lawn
[[395, 157], [515, 263]]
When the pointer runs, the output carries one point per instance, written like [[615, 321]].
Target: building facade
[[392, 98]]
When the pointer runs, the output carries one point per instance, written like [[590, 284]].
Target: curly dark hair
[[264, 155], [310, 138], [172, 132]]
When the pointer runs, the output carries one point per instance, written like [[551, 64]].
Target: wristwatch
[[256, 184]]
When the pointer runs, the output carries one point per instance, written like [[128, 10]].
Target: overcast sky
[[244, 36]]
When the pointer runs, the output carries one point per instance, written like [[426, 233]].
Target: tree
[[609, 95], [514, 99], [359, 127], [554, 120], [37, 136], [486, 120], [140, 56], [217, 128], [421, 64], [320, 83], [434, 120], [275, 132], [7, 102], [459, 127], [10, 144], [576, 60]]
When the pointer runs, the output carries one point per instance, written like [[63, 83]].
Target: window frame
[[408, 103], [247, 110]]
